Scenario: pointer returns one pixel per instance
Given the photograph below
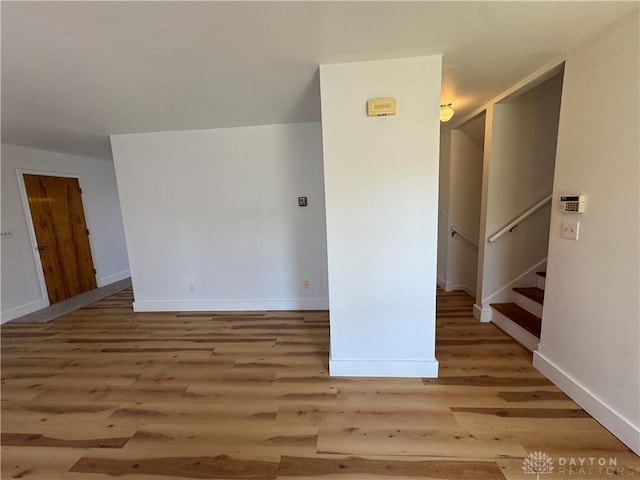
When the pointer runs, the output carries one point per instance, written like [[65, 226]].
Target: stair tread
[[520, 316], [534, 293], [542, 274]]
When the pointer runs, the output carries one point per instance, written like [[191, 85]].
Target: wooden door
[[62, 235]]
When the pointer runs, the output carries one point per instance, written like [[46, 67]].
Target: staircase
[[522, 319]]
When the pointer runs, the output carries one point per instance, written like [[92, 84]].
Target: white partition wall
[[381, 192], [212, 218], [590, 343]]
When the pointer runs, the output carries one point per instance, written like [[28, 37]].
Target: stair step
[[542, 274], [534, 293], [520, 316]]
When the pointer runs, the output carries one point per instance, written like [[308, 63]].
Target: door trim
[[20, 172]]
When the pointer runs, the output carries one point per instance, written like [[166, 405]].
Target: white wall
[[590, 344], [465, 186], [381, 188], [443, 204], [519, 169], [212, 218], [21, 274]]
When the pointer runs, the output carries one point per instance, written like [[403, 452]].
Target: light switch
[[570, 229]]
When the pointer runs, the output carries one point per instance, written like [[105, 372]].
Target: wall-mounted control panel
[[381, 107], [572, 203]]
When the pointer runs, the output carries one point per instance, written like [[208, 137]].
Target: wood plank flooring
[[105, 393]]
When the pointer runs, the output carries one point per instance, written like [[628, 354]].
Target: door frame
[[20, 172]]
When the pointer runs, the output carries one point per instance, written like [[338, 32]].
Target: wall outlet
[[306, 284], [570, 229]]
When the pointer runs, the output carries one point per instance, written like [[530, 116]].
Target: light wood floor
[[104, 393]]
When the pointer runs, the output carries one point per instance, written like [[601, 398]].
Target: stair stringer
[[504, 294]]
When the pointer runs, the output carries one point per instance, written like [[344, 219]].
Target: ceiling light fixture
[[446, 112]]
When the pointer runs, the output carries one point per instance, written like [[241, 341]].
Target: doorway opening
[[465, 194]]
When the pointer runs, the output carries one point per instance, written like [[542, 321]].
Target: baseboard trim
[[383, 368], [482, 314], [115, 277], [467, 289], [22, 310], [449, 286], [627, 433], [229, 305]]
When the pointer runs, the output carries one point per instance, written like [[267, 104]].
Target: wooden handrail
[[514, 223], [455, 231]]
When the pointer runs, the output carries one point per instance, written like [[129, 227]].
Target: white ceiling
[[75, 72]]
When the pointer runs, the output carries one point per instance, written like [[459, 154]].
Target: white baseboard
[[482, 314], [623, 429], [449, 286], [383, 368], [528, 340], [21, 310], [229, 305], [467, 289], [116, 277]]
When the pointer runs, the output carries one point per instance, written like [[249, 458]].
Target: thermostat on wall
[[572, 203], [380, 107]]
